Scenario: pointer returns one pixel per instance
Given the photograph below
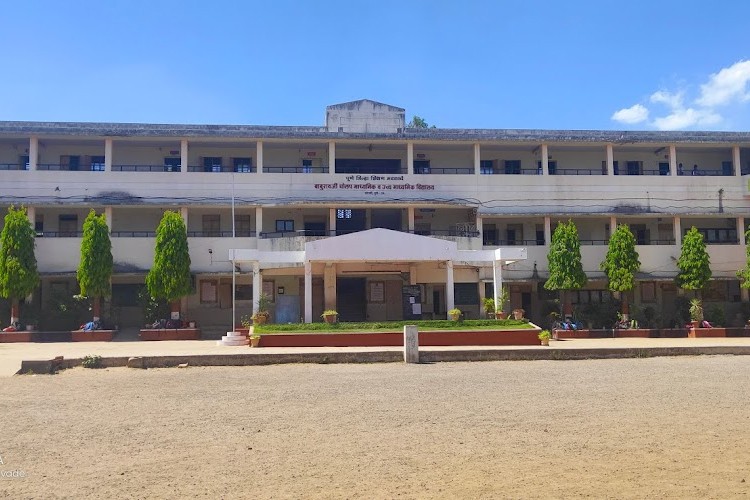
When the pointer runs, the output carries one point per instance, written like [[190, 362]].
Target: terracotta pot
[[544, 341], [518, 313], [260, 319], [254, 341], [330, 318], [501, 315]]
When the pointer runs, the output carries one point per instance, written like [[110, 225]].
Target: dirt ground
[[627, 428]]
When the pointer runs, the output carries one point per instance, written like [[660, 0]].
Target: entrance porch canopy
[[378, 245]]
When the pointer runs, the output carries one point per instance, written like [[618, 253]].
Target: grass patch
[[393, 326]]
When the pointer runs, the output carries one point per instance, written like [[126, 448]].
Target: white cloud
[[634, 114], [726, 86]]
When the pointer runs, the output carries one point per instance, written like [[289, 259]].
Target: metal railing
[[512, 243], [221, 169], [59, 234], [12, 166], [133, 234], [295, 170], [94, 167], [444, 170], [501, 171], [220, 234], [577, 171], [323, 233], [146, 168]]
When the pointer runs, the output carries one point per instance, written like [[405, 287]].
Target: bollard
[[411, 344]]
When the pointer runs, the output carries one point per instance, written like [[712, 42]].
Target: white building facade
[[302, 191]]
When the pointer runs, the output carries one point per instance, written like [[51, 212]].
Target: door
[[351, 299]]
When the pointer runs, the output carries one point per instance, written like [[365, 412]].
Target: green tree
[[564, 259], [417, 122], [621, 263], [694, 264], [18, 271], [95, 270], [169, 277]]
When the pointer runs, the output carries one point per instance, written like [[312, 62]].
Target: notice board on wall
[[411, 297]]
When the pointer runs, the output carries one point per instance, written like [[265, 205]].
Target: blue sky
[[475, 64]]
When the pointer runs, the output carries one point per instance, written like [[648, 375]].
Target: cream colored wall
[[135, 219], [650, 160], [50, 154], [708, 223], [704, 160], [51, 216], [462, 157], [292, 157], [9, 156], [142, 155], [197, 152], [528, 159], [590, 160]]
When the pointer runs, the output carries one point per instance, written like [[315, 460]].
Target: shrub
[[94, 361]]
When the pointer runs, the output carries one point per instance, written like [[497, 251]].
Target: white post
[[449, 296], [331, 157], [108, 217], [477, 157], [410, 218], [108, 155], [612, 225], [672, 160], [258, 221], [33, 152], [409, 157], [736, 161], [331, 222], [741, 230], [184, 156], [31, 214], [411, 344], [545, 160], [184, 215], [257, 284], [610, 160], [480, 228], [497, 282], [308, 292], [547, 231], [259, 156], [677, 231]]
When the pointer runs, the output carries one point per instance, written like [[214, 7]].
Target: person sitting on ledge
[[695, 170], [679, 169]]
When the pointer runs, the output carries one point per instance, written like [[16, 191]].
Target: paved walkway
[[11, 355]]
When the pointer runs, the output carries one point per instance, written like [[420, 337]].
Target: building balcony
[[295, 170], [146, 168], [222, 169], [443, 171]]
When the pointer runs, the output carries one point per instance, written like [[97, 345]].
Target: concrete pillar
[[411, 344], [672, 160], [736, 160], [184, 156], [410, 218], [259, 156], [745, 295], [410, 157], [612, 225], [257, 285], [545, 160], [308, 292], [547, 231], [677, 231], [329, 286], [477, 157], [184, 215], [33, 152], [31, 214], [332, 222], [108, 216], [741, 230], [497, 282], [413, 276], [450, 299], [258, 221], [480, 225], [331, 157], [610, 160], [108, 155]]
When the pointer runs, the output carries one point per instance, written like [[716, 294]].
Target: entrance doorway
[[351, 299]]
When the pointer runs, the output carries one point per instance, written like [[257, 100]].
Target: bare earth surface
[[627, 428]]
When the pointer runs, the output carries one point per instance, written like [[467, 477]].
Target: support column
[[329, 286], [677, 231], [497, 282], [108, 155], [258, 221], [409, 157], [331, 157], [331, 222], [33, 152], [450, 300], [257, 285], [547, 231], [741, 230], [612, 225], [184, 156], [308, 292], [31, 214], [736, 160], [610, 160], [672, 160], [259, 156], [108, 217], [184, 215], [477, 157], [480, 228], [545, 159], [410, 219], [413, 276]]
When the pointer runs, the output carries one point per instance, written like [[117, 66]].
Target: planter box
[[170, 334], [696, 333], [629, 333], [92, 335], [599, 333], [738, 332], [6, 337], [426, 338], [673, 333]]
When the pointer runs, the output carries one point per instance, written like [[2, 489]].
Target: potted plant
[[544, 337], [502, 301], [263, 312], [489, 307], [330, 316], [696, 312], [254, 340], [455, 314], [518, 313]]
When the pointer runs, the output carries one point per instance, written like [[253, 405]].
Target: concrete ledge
[[170, 334], [15, 337], [92, 335]]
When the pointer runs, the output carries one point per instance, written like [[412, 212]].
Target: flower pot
[[260, 319], [501, 315], [518, 313], [544, 341], [254, 341], [330, 318]]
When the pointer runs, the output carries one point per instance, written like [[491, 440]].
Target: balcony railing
[[94, 167], [708, 172], [145, 168], [295, 170], [133, 234], [339, 232], [511, 243], [220, 234], [368, 170], [59, 234], [221, 169], [522, 171], [577, 171], [13, 166], [444, 170], [644, 171]]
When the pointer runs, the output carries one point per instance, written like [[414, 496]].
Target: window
[[486, 167], [68, 225], [212, 164], [97, 164], [39, 225], [212, 225], [23, 162], [344, 213], [590, 296], [172, 164], [284, 226], [648, 291], [726, 168], [242, 225], [421, 166], [512, 166], [70, 162], [634, 167], [209, 293], [663, 168], [489, 236], [551, 167], [717, 236], [242, 165], [243, 292]]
